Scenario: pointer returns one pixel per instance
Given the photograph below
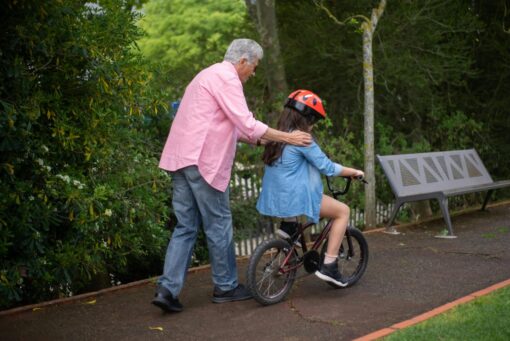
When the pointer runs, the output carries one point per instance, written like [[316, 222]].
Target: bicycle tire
[[351, 268], [266, 282]]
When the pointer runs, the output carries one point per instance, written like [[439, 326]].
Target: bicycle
[[273, 265]]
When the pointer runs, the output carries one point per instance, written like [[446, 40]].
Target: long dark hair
[[289, 120]]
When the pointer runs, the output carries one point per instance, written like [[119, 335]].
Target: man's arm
[[297, 137]]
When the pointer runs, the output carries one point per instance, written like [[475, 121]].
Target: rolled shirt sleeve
[[319, 159], [232, 102]]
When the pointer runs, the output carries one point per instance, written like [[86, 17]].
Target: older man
[[199, 153]]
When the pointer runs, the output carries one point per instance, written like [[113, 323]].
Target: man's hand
[[299, 138]]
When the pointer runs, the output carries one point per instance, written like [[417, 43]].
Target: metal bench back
[[422, 173]]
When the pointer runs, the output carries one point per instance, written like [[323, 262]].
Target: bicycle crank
[[311, 261]]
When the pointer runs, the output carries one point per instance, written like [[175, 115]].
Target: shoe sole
[[230, 299], [330, 279], [165, 307], [285, 235]]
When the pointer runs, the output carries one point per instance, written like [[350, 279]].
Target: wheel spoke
[[268, 283], [352, 260]]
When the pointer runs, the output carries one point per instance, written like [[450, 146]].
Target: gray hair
[[243, 48]]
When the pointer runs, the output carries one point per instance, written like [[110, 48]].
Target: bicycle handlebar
[[349, 179]]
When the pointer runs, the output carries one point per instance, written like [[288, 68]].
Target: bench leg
[[443, 203], [390, 229], [487, 197]]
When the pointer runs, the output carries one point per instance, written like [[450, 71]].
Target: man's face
[[246, 69]]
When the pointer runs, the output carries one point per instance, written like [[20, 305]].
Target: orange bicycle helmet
[[307, 104]]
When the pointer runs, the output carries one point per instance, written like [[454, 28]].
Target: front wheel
[[271, 271], [352, 256]]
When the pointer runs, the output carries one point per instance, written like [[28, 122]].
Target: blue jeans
[[195, 202]]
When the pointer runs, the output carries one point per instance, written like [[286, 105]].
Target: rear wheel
[[352, 257], [271, 271]]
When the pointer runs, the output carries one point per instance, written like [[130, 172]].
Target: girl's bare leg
[[339, 213]]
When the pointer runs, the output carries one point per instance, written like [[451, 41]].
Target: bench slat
[[414, 174]]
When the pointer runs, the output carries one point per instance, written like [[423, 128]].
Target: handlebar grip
[[361, 178]]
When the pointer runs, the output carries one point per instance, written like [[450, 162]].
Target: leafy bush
[[82, 202]]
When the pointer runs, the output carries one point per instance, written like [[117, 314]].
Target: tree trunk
[[263, 13], [368, 77]]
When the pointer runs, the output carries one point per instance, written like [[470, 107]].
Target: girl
[[292, 184]]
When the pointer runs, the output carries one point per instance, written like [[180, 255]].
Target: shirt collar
[[231, 67]]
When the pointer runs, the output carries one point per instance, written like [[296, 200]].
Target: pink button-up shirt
[[212, 116]]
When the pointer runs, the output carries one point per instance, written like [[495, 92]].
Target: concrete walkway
[[407, 275]]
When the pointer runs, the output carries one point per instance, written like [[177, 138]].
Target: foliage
[[187, 35], [427, 49], [423, 61], [341, 147], [82, 200], [184, 36], [419, 48], [245, 216], [246, 182], [486, 96]]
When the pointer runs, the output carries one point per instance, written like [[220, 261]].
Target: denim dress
[[292, 185]]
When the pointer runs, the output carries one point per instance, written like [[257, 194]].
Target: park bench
[[436, 175]]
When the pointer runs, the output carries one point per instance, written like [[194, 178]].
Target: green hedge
[[82, 202]]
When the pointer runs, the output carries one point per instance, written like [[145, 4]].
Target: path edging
[[431, 313]]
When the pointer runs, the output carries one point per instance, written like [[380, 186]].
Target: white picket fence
[[247, 245], [249, 187]]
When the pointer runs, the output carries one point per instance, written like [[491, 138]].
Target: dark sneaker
[[240, 293], [330, 273], [289, 230], [166, 301]]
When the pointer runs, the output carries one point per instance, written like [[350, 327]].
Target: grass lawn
[[485, 318]]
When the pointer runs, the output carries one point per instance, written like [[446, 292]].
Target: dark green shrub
[[82, 202]]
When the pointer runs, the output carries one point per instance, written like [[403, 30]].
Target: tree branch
[[338, 22], [376, 14]]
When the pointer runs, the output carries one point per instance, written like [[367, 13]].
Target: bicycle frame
[[273, 266], [315, 247], [322, 236]]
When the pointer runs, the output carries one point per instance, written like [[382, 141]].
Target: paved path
[[407, 275]]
